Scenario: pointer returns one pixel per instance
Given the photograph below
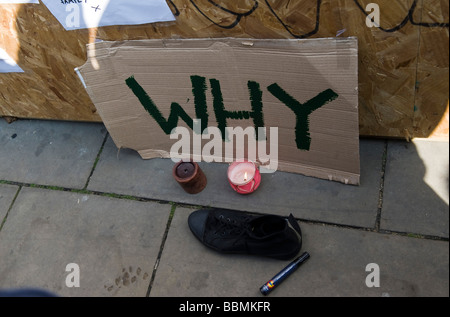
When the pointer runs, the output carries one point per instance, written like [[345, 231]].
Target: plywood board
[[403, 63]]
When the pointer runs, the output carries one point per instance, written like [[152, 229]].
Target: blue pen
[[284, 274]]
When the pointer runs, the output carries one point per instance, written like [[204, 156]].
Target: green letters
[[176, 111], [301, 111], [222, 115]]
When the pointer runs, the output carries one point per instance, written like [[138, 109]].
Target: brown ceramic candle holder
[[190, 177]]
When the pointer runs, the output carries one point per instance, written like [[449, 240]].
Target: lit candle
[[242, 173], [244, 177]]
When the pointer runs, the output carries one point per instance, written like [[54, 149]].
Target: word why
[[302, 111]]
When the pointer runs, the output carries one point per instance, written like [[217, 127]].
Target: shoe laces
[[232, 227]]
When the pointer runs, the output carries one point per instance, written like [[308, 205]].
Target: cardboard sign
[[303, 92]]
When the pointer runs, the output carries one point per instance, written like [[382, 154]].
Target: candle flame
[[245, 177]]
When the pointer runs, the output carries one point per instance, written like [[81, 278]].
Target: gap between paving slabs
[[2, 222], [375, 228], [192, 207], [381, 189]]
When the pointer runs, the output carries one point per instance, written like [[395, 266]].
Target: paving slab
[[279, 193], [114, 242], [7, 194], [416, 189], [49, 152], [337, 267]]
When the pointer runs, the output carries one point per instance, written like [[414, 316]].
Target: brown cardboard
[[272, 74]]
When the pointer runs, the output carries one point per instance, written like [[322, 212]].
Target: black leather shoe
[[229, 231]]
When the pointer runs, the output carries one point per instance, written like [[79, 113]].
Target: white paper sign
[[18, 1], [7, 64], [95, 13]]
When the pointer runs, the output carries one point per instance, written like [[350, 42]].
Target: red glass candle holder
[[244, 177]]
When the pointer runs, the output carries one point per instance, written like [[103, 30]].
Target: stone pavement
[[67, 196]]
